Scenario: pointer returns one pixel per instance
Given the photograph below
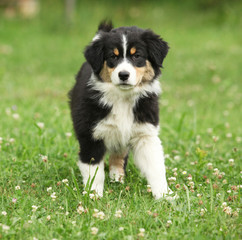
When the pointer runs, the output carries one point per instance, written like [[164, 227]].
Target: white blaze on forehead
[[124, 45]]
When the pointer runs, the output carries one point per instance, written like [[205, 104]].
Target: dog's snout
[[123, 75]]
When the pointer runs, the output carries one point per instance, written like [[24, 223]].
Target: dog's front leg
[[149, 158], [90, 171]]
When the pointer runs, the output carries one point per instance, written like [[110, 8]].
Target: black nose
[[124, 75]]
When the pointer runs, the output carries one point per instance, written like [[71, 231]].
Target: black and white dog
[[115, 106]]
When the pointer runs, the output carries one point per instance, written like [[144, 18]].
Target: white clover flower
[[172, 179], [141, 232], [73, 223], [174, 169], [15, 116], [209, 130], [68, 134], [189, 178], [65, 181], [34, 238], [121, 228], [5, 228], [118, 214], [66, 213], [224, 204], [53, 196], [48, 218], [44, 158], [229, 191], [175, 174], [49, 189], [1, 140], [94, 231], [80, 209], [101, 215], [203, 211], [74, 189], [224, 181], [166, 156], [30, 221], [199, 195], [218, 195], [169, 222], [231, 162], [229, 135], [228, 210], [17, 188], [93, 196], [11, 140], [191, 184], [4, 213], [34, 208], [84, 192], [210, 166], [238, 139], [215, 138], [149, 188], [41, 125], [184, 172], [177, 158]]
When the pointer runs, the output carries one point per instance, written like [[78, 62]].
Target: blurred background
[[42, 43]]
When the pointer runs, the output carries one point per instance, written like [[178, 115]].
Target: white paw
[[115, 175], [98, 189], [165, 193]]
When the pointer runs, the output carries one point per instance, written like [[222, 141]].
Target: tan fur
[[106, 72], [117, 161], [116, 51], [132, 50], [144, 74]]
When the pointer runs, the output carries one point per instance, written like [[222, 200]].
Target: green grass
[[201, 98]]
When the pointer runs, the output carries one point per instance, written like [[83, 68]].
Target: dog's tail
[[105, 26]]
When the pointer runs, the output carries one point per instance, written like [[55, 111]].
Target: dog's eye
[[136, 56], [114, 57]]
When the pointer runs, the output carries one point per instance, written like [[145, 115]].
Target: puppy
[[115, 106]]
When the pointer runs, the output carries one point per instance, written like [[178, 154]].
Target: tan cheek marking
[[132, 50], [116, 52], [106, 72], [144, 74]]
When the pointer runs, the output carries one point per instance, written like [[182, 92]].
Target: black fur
[[147, 110], [86, 112]]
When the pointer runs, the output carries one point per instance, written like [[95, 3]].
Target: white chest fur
[[116, 128]]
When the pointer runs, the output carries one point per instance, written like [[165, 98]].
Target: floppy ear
[[94, 55], [157, 48]]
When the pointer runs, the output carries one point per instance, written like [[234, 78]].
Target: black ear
[[105, 26], [157, 48], [94, 55]]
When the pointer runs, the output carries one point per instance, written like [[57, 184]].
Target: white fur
[[149, 157], [115, 174], [88, 171], [96, 37], [124, 66], [124, 45]]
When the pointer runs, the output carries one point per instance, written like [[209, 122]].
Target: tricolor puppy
[[115, 106]]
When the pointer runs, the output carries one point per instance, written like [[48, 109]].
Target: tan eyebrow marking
[[132, 50], [116, 52]]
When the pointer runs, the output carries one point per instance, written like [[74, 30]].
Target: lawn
[[200, 116]]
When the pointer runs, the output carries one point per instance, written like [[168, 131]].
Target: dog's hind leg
[[117, 165]]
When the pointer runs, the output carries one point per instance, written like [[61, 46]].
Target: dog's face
[[126, 56]]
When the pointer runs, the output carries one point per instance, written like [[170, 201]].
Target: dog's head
[[126, 56]]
